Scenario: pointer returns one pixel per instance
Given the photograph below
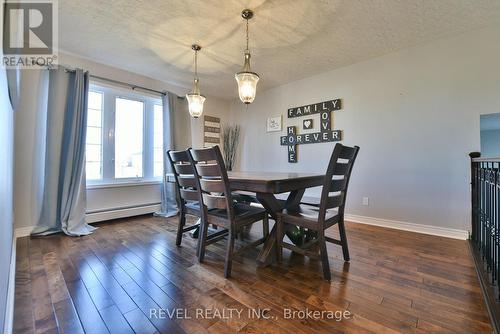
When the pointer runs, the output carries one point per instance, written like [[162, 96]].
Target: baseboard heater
[[121, 212]]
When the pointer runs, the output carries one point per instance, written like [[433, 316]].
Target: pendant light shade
[[195, 99], [246, 79]]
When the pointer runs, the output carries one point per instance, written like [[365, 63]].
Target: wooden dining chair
[[187, 192], [330, 211], [219, 207]]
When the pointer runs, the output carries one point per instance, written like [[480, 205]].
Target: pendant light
[[247, 80], [195, 99]]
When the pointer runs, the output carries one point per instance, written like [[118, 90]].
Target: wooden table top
[[273, 182], [270, 182]]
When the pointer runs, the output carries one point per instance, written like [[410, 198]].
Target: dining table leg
[[268, 253]]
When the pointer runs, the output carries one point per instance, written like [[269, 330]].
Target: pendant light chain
[[247, 50], [196, 64]]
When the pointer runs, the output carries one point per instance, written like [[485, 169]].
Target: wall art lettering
[[315, 108], [326, 134]]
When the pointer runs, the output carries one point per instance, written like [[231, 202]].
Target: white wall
[[6, 195], [415, 115], [6, 219], [105, 198]]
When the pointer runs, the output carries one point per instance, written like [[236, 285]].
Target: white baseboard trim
[[394, 224], [412, 227], [9, 311], [121, 213], [23, 231], [101, 216]]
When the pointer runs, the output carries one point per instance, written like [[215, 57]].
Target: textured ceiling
[[289, 39]]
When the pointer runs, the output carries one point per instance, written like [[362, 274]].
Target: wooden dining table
[[266, 186]]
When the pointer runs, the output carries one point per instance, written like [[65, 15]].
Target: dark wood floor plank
[[88, 315], [43, 309], [67, 317], [23, 311], [97, 292], [87, 312], [100, 296], [115, 321], [160, 320], [124, 303], [139, 322]]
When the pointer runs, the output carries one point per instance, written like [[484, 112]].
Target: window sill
[[123, 184]]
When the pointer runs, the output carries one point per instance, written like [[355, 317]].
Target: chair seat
[[244, 196], [307, 216], [243, 214]]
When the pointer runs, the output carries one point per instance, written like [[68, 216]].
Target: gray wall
[[6, 220], [415, 115]]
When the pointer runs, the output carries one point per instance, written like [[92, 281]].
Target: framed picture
[[274, 123], [211, 131]]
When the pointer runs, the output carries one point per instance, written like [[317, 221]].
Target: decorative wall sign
[[315, 108], [211, 132], [274, 124], [307, 124], [326, 134]]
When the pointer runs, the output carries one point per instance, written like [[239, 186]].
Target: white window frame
[[110, 93]]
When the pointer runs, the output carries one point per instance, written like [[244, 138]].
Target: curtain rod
[[132, 86]]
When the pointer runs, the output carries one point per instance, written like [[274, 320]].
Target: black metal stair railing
[[485, 235]]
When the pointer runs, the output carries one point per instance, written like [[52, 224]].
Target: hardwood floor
[[126, 276]]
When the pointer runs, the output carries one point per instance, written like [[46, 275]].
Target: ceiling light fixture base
[[247, 14], [196, 47]]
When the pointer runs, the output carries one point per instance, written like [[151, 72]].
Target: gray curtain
[[168, 200], [61, 132]]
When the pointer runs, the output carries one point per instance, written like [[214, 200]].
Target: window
[[129, 122], [124, 136], [93, 146]]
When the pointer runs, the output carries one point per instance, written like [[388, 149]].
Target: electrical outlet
[[366, 201]]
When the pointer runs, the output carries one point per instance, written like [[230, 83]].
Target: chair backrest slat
[[183, 171], [184, 168], [340, 168], [189, 194], [204, 154], [215, 186], [348, 153], [187, 182], [334, 201], [212, 181], [214, 202], [178, 156], [337, 178], [208, 169], [338, 185]]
